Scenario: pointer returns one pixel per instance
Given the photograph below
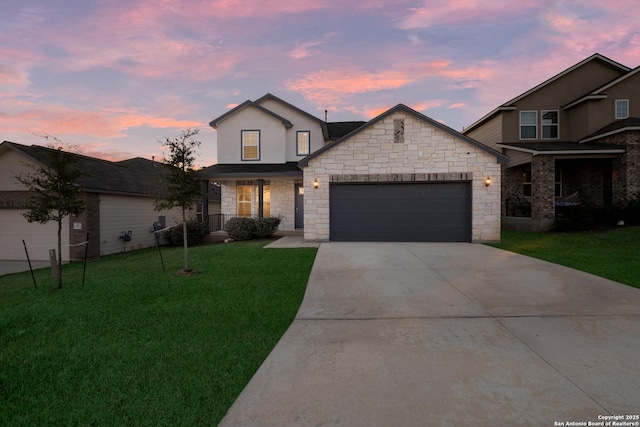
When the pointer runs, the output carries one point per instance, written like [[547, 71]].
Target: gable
[[419, 133], [12, 164]]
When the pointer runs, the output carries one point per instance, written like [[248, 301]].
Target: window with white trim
[[622, 109], [303, 143], [528, 124], [550, 120], [250, 145]]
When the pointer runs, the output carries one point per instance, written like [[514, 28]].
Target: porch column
[[543, 170], [260, 198], [205, 203]]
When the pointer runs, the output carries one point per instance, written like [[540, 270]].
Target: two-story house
[[259, 146], [399, 177], [574, 138]]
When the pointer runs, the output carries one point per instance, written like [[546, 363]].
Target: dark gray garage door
[[401, 212]]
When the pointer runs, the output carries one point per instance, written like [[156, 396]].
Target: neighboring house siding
[[130, 213], [13, 164], [517, 157], [490, 133], [39, 238], [553, 96], [272, 137], [426, 150]]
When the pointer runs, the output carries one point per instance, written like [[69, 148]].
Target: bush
[[580, 218], [251, 228], [196, 231]]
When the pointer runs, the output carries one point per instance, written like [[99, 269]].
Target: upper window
[[303, 141], [250, 145], [528, 124], [622, 109], [549, 124]]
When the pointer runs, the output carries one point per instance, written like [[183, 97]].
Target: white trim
[[615, 107], [584, 98], [538, 152], [557, 124], [613, 132], [520, 124]]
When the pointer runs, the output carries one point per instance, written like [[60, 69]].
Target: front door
[[299, 205]]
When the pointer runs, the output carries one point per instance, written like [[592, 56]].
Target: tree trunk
[[59, 254], [186, 245]]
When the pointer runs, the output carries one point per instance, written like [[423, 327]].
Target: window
[[248, 198], [549, 124], [303, 140], [622, 109], [250, 145], [528, 124]]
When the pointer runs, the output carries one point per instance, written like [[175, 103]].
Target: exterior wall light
[[487, 181], [316, 184]]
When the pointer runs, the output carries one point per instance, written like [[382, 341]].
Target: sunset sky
[[115, 76]]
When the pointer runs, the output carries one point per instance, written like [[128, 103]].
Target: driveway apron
[[413, 334]]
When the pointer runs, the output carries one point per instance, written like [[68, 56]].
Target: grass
[[614, 254], [137, 346]]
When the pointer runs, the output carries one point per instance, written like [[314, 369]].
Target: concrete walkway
[[417, 334]]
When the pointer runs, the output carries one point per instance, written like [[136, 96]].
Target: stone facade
[[427, 154], [282, 198]]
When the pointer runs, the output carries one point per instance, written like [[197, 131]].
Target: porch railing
[[518, 207]]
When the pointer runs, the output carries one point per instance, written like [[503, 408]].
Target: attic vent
[[398, 131]]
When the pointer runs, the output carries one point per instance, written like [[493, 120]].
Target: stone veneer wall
[[427, 153], [282, 199]]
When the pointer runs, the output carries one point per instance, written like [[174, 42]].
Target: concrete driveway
[[417, 334]]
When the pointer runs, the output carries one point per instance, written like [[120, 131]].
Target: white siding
[[129, 213], [272, 137], [39, 238]]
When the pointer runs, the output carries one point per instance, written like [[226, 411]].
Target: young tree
[[183, 180], [54, 193]]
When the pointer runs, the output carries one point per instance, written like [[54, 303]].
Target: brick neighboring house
[[574, 138], [399, 177]]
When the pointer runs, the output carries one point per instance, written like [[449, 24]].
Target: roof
[[629, 124], [562, 147], [403, 108], [509, 104], [340, 129], [252, 170], [133, 176], [214, 123]]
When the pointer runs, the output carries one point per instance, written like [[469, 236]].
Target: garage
[[400, 212], [39, 238]]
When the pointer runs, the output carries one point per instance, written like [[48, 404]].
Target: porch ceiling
[[562, 147]]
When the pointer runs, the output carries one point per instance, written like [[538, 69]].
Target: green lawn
[[136, 346], [614, 254]]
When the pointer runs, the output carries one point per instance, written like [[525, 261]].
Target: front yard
[[614, 254], [137, 346]]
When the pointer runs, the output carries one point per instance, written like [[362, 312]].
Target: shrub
[[265, 227], [240, 228], [196, 231], [251, 228]]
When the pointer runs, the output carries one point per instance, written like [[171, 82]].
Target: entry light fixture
[[487, 181], [316, 184]]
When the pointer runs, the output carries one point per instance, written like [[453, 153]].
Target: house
[[399, 177], [259, 145], [119, 211], [574, 138]]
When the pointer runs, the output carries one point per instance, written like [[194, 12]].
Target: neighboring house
[[574, 138], [119, 201], [399, 177]]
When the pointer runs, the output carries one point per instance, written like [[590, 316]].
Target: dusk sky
[[115, 76]]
